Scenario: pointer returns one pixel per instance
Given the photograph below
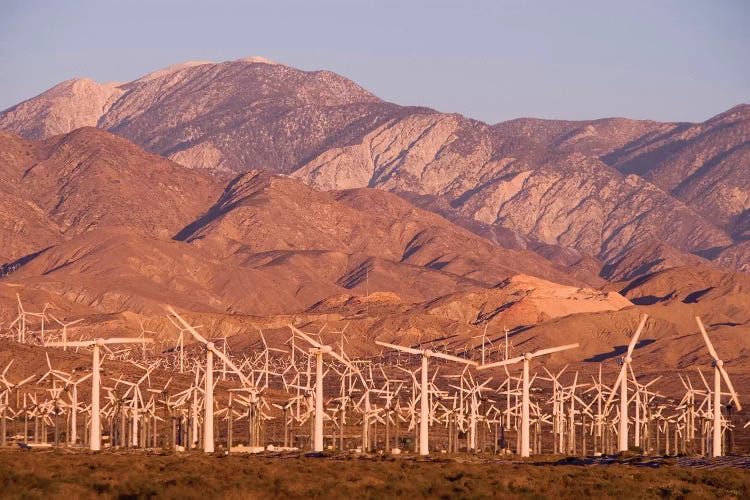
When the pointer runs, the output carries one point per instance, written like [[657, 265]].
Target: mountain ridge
[[603, 189], [129, 230]]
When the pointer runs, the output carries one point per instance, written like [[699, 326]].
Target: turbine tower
[[525, 401], [719, 372], [95, 438], [208, 397], [320, 349], [424, 408], [622, 383]]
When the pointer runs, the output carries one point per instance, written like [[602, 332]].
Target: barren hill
[[63, 108], [615, 196], [113, 228], [74, 183]]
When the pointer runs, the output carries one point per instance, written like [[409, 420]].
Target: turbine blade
[[232, 366], [725, 376], [637, 334], [342, 360], [705, 383], [25, 381], [306, 337], [501, 363], [187, 326], [706, 339], [124, 340], [542, 352], [400, 347], [617, 385], [76, 343], [453, 358]]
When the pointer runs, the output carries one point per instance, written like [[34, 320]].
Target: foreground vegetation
[[41, 474]]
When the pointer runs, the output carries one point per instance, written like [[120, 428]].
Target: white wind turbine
[[4, 406], [95, 439], [320, 349], [180, 342], [525, 402], [483, 345], [208, 397], [719, 372], [622, 382], [424, 408], [21, 320], [65, 328], [72, 389]]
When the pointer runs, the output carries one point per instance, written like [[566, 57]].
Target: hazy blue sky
[[664, 60]]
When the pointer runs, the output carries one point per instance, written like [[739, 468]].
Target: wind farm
[[308, 393], [281, 396], [493, 250]]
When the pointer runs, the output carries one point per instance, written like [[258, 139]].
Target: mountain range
[[252, 193], [616, 198]]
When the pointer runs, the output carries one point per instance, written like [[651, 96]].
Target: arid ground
[[66, 474]]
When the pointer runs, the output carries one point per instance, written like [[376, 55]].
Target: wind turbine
[[208, 397], [424, 408], [5, 406], [483, 345], [622, 382], [65, 328], [320, 349], [21, 320], [72, 389], [96, 435], [719, 372], [525, 402]]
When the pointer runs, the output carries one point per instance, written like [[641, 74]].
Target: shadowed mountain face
[[614, 197]]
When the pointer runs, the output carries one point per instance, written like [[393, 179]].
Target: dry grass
[[63, 474]]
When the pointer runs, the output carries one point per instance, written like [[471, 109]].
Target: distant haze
[[493, 61]]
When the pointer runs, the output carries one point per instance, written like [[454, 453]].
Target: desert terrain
[[291, 218]]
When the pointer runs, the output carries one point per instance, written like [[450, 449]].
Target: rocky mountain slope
[[63, 108], [261, 251], [71, 184], [104, 224], [566, 199], [615, 196]]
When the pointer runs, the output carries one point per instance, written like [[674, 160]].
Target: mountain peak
[[171, 69], [257, 60], [74, 103]]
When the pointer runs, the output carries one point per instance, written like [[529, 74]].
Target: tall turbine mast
[[95, 439], [320, 349], [525, 402], [424, 408], [208, 402], [622, 383], [719, 372]]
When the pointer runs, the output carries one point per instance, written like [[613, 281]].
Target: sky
[[664, 60]]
